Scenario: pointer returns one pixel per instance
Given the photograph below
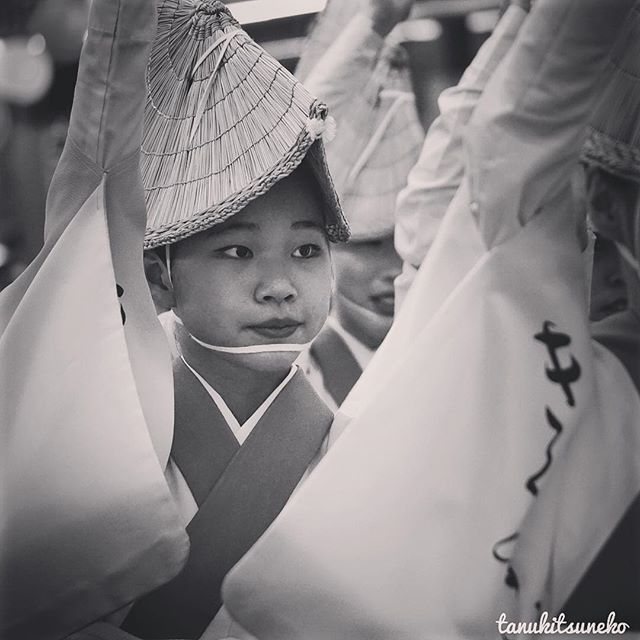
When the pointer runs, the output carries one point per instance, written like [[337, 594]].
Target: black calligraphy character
[[565, 377], [556, 425], [120, 292], [511, 579]]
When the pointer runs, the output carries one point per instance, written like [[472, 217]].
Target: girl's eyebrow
[[307, 224], [233, 226]]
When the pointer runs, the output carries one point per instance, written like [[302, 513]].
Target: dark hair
[[160, 252]]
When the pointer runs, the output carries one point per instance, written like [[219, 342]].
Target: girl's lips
[[276, 330], [384, 304]]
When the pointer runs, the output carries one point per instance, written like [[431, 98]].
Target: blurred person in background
[[362, 73], [608, 287], [611, 158]]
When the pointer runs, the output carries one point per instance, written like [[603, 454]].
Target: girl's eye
[[237, 251], [307, 251]]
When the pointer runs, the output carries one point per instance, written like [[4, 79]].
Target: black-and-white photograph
[[319, 319]]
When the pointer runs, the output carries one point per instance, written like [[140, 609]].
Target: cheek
[[315, 289], [209, 302], [390, 261], [193, 293], [352, 274]]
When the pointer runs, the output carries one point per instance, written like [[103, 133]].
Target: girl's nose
[[277, 288]]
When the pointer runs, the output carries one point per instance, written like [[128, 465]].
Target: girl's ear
[[159, 281]]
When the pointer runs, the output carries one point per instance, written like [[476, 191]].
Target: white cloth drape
[[487, 395]]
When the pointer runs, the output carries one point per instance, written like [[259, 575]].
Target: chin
[[273, 362], [365, 323]]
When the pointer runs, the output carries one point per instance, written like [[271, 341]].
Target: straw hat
[[614, 136], [379, 132], [613, 142], [224, 122]]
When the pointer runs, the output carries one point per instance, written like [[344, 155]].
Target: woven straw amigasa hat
[[613, 142], [379, 131], [224, 122]]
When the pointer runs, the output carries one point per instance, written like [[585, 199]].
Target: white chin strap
[[276, 347]]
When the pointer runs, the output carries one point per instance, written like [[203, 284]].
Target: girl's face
[[614, 207], [261, 277]]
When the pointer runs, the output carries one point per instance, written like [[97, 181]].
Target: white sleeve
[[346, 67], [434, 180]]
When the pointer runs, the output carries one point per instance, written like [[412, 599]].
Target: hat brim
[[611, 155], [306, 148], [336, 225]]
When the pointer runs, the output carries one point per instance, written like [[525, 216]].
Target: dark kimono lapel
[[242, 501], [340, 369], [203, 443]]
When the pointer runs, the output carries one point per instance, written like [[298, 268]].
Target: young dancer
[[241, 212], [364, 77]]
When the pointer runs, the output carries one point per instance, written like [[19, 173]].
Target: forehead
[[293, 199]]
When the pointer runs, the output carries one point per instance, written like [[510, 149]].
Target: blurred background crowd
[[40, 43]]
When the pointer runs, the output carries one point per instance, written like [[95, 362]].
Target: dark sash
[[245, 499], [340, 369]]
